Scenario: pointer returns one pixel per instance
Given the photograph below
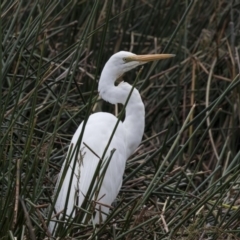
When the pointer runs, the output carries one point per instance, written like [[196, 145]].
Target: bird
[[80, 166]]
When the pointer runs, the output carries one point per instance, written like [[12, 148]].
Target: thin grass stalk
[[1, 66], [151, 220], [10, 59], [154, 64], [160, 157], [153, 182]]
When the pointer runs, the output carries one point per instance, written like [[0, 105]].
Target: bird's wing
[[95, 139]]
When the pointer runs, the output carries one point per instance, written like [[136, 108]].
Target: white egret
[[98, 130]]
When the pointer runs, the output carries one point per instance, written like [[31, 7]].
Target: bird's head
[[123, 61]]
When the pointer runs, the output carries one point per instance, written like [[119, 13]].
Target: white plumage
[[96, 136]]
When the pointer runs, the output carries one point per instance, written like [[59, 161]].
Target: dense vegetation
[[184, 180]]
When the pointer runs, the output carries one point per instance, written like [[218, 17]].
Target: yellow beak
[[148, 58]]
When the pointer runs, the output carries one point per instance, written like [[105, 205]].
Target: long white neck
[[135, 111], [134, 122]]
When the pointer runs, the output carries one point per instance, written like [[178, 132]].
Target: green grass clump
[[183, 182]]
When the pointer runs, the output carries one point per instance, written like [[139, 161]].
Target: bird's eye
[[125, 60]]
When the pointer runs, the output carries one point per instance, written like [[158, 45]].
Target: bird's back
[[96, 136]]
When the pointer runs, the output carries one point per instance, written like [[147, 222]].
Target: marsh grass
[[183, 180]]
